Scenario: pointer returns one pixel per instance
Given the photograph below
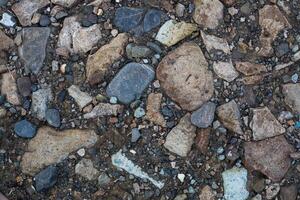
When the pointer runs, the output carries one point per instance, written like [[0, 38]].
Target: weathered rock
[[6, 42], [152, 19], [46, 178], [86, 169], [103, 179], [50, 146], [204, 116], [249, 69], [291, 96], [264, 124], [229, 115], [228, 2], [99, 63], [53, 117], [153, 109], [9, 88], [25, 129], [130, 82], [225, 70], [207, 193], [202, 139], [215, 43], [33, 48], [270, 157], [272, 191], [181, 138], [65, 3], [135, 135], [137, 51], [82, 98], [104, 109], [127, 18], [24, 86], [288, 192], [208, 13], [40, 100], [185, 77]]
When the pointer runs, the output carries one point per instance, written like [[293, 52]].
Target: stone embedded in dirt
[[98, 64], [40, 100], [25, 9], [185, 77], [235, 184], [50, 146], [204, 116], [9, 88], [46, 178], [25, 129], [264, 124], [225, 70], [153, 109], [215, 43], [229, 115], [53, 117], [152, 19], [172, 32], [291, 94], [228, 2], [270, 157], [33, 48], [130, 82], [86, 169], [202, 139], [181, 138], [81, 98], [103, 179], [208, 13], [272, 191], [249, 69], [65, 3], [6, 42], [288, 192], [207, 193], [127, 18], [104, 109], [137, 51], [24, 86]]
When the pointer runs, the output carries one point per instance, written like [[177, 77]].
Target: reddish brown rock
[[153, 109], [228, 2], [202, 139], [249, 69]]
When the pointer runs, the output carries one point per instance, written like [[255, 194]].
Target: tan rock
[[207, 193], [104, 109], [225, 70], [215, 43], [153, 109], [185, 77], [291, 94], [9, 88], [252, 80], [6, 42], [249, 69]]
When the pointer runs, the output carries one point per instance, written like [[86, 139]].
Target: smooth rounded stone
[[44, 20], [53, 117], [130, 82], [127, 18], [24, 86], [25, 129], [204, 116], [135, 135], [152, 19], [137, 51], [46, 178], [139, 112]]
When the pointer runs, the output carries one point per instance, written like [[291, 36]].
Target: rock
[[3, 3], [33, 48], [181, 138], [86, 169], [208, 13], [204, 116], [103, 179], [229, 115], [1, 195], [152, 19], [264, 124], [81, 98], [228, 2], [235, 184], [46, 178], [65, 3], [153, 109], [45, 20], [181, 197], [9, 88], [249, 69], [53, 117], [202, 139], [288, 192], [6, 42], [137, 51], [291, 96], [225, 70], [257, 197], [24, 86], [272, 191], [139, 112], [194, 84], [127, 18], [40, 100], [130, 82], [8, 20], [2, 112], [25, 129], [282, 49], [215, 43], [172, 32], [135, 135], [270, 157], [104, 109], [50, 146], [25, 9], [207, 193], [98, 64]]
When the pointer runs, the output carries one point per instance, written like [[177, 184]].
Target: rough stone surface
[[202, 139], [204, 116], [46, 178], [24, 86], [137, 51], [291, 96], [53, 117], [194, 85], [25, 129], [207, 193], [249, 69], [86, 169], [40, 100], [225, 70], [65, 3], [289, 192], [153, 109], [215, 43], [6, 42], [127, 18], [9, 88], [82, 98], [50, 146], [104, 109]]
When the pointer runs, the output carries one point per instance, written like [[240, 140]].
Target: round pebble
[[25, 129], [53, 117]]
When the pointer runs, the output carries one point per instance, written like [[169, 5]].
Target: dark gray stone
[[46, 178], [135, 135], [53, 117], [204, 116], [45, 20], [282, 49], [130, 82], [127, 18], [25, 129], [152, 19], [137, 51], [24, 86]]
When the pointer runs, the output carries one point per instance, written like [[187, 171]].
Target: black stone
[[46, 178]]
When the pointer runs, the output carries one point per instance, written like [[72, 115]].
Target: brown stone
[[207, 193], [249, 69], [6, 42], [153, 109], [288, 192], [202, 139], [228, 2], [9, 88]]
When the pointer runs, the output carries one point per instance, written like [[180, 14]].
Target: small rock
[[103, 179], [153, 109], [40, 100], [137, 51], [25, 129], [113, 100], [181, 197], [152, 19], [215, 43], [295, 78], [104, 109], [6, 43], [53, 117], [135, 135], [291, 96], [81, 152], [82, 98], [8, 20], [9, 88], [181, 177], [2, 113], [225, 70], [249, 69], [288, 192], [46, 178], [204, 116], [139, 112], [45, 20], [207, 193], [127, 18], [180, 9], [65, 3], [24, 86], [257, 197], [272, 191], [202, 139], [86, 169], [282, 49]]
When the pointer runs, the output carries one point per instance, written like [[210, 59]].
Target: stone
[[137, 51], [207, 193], [65, 3], [3, 3], [204, 116], [181, 197], [264, 124], [25, 9], [257, 197], [202, 139], [45, 20], [130, 82], [33, 48], [235, 184], [152, 19], [225, 70], [40, 100], [215, 43], [103, 179], [9, 88], [6, 43], [272, 191], [269, 156], [180, 8], [139, 112], [98, 63], [291, 96], [282, 49], [46, 178], [127, 18], [86, 169], [135, 135], [171, 32], [53, 117], [193, 86], [81, 98], [208, 13], [50, 146], [153, 109], [181, 138], [288, 192], [104, 109], [24, 86], [250, 69], [25, 129], [8, 20]]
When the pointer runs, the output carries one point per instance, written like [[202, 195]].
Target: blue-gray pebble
[[204, 116], [152, 19], [127, 18], [53, 117], [46, 178], [25, 129]]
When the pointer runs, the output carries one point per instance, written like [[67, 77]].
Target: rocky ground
[[150, 99]]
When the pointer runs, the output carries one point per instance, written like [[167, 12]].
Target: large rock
[[185, 77], [50, 146], [98, 64], [9, 88], [153, 109], [181, 138], [40, 100], [291, 94], [25, 129]]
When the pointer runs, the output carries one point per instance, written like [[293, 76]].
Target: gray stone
[[225, 70], [24, 86], [40, 100], [103, 179], [8, 20], [127, 18], [104, 109], [137, 51], [152, 19], [46, 178], [53, 117], [204, 116], [25, 129], [81, 98], [86, 169], [65, 3], [291, 94], [135, 135]]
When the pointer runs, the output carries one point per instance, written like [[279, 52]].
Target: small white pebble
[[114, 32], [181, 177], [81, 152]]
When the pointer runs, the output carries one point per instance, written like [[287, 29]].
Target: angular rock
[[46, 178], [9, 88], [86, 169], [207, 193], [130, 82], [204, 116], [50, 146], [272, 191], [250, 69], [65, 3], [172, 32], [6, 42], [98, 64], [104, 109], [103, 179], [53, 117], [25, 129], [185, 77], [291, 96], [215, 43], [40, 100], [82, 98], [153, 109], [181, 138], [152, 19], [270, 157], [8, 20], [288, 192], [202, 139], [137, 51], [127, 18], [225, 70], [264, 124], [24, 86]]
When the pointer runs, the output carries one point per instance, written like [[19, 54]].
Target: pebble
[[135, 135], [137, 51], [153, 109], [81, 98], [45, 20], [103, 179], [8, 20], [152, 19], [181, 177], [204, 116], [139, 112], [53, 117], [3, 2], [25, 129], [225, 70], [24, 86], [272, 191], [215, 43], [291, 96], [40, 100], [81, 152], [180, 9], [86, 169], [207, 193], [9, 88], [46, 178], [104, 109], [65, 3], [127, 18], [295, 78], [113, 100]]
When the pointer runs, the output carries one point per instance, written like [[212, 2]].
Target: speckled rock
[[225, 70], [215, 43], [249, 69], [291, 94], [207, 193], [153, 109], [40, 100], [86, 169]]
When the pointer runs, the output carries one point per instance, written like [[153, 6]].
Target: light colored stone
[[104, 109], [40, 100], [65, 3], [272, 191], [207, 193], [225, 70], [153, 109], [215, 43], [86, 169], [50, 146], [82, 98], [291, 94], [9, 88], [250, 69]]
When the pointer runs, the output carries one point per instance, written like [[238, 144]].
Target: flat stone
[[225, 70], [215, 43], [204, 116], [53, 117], [33, 48], [264, 124], [81, 98], [172, 32], [127, 18], [25, 129], [50, 146], [40, 100], [104, 109], [24, 86], [152, 19], [6, 42], [130, 82], [207, 193], [250, 69], [202, 139], [291, 94], [98, 64], [9, 88], [65, 3], [270, 157], [46, 178], [193, 86], [137, 51], [86, 169], [181, 138], [153, 109]]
